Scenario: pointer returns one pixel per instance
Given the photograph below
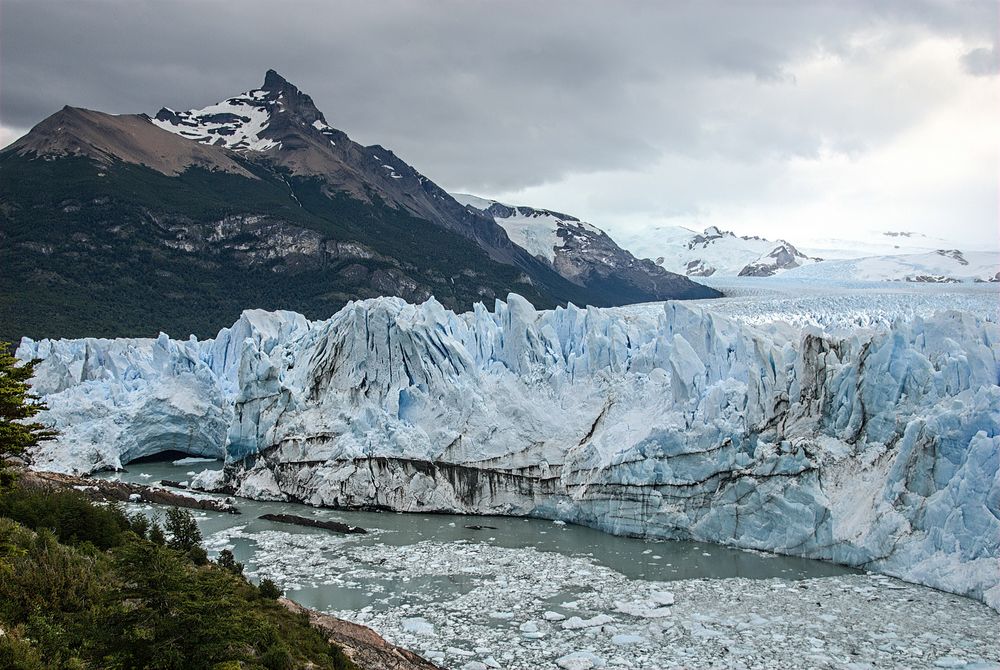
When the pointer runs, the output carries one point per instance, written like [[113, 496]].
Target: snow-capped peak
[[242, 122]]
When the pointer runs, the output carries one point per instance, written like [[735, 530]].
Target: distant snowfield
[[932, 267], [886, 256], [857, 422]]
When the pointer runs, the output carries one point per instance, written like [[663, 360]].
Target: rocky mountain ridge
[[127, 225]]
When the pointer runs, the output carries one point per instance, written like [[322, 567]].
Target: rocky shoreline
[[103, 490], [366, 648]]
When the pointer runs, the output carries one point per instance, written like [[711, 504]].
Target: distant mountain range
[[571, 245], [578, 251], [119, 225]]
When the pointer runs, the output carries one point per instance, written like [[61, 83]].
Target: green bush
[[156, 534], [227, 561], [277, 658], [139, 523], [69, 514], [269, 590], [140, 605]]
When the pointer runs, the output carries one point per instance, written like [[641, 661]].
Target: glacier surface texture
[[869, 446]]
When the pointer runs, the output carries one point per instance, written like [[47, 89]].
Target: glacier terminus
[[869, 442]]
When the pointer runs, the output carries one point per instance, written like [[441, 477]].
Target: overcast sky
[[785, 119]]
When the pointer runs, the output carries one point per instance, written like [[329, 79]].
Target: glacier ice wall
[[877, 449]]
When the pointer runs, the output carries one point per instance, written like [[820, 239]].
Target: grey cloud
[[491, 96], [982, 62]]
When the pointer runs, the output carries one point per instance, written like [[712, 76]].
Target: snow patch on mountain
[[241, 123], [716, 252], [874, 447], [580, 252], [535, 230], [939, 266], [236, 123]]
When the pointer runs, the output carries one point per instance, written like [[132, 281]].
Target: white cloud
[[907, 141], [9, 135]]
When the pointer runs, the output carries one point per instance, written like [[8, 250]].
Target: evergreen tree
[[228, 562], [17, 404], [156, 535], [269, 590], [139, 523], [183, 529]]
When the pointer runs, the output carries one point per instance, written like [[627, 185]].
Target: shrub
[[68, 514], [139, 523], [277, 658], [228, 562], [141, 605], [269, 590], [156, 535]]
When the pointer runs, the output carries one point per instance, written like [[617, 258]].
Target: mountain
[[936, 267], [580, 252], [873, 243], [876, 256], [716, 252], [120, 225]]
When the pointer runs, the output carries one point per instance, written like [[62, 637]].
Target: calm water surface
[[634, 558]]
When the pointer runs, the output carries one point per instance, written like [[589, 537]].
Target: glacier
[[875, 447]]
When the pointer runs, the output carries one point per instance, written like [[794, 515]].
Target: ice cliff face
[[877, 449]]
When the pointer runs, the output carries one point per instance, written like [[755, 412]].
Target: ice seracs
[[875, 447]]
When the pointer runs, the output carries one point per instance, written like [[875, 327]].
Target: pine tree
[[183, 529], [228, 562], [17, 404], [156, 534]]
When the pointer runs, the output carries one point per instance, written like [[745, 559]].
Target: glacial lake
[[522, 594]]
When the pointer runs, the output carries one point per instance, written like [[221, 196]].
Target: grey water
[[635, 558]]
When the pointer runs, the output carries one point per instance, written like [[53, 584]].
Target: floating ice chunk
[[594, 621], [418, 626], [662, 597], [580, 660], [208, 480], [625, 639]]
